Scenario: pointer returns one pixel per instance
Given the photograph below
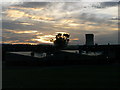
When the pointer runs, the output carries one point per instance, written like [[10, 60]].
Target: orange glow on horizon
[[44, 39], [75, 39]]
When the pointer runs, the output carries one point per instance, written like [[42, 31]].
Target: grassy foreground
[[82, 76]]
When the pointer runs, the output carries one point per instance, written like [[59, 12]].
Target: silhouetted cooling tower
[[89, 39]]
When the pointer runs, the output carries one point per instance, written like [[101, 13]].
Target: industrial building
[[89, 39]]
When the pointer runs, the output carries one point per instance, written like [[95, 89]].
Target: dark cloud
[[9, 36], [14, 26], [74, 5], [107, 4], [33, 4]]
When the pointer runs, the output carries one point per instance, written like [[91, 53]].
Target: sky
[[38, 22]]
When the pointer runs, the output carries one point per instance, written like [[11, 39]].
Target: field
[[79, 76]]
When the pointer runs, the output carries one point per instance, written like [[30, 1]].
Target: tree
[[61, 40]]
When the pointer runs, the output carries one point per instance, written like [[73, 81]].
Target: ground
[[79, 76]]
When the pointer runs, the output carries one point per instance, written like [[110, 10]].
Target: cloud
[[108, 4], [16, 25], [48, 18], [33, 4], [21, 32], [44, 38], [16, 14], [12, 36], [7, 3], [25, 23]]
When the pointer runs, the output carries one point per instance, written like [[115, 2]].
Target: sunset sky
[[38, 22]]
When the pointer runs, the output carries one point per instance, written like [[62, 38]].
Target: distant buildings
[[89, 39]]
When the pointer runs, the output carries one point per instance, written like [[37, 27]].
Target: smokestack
[[89, 39]]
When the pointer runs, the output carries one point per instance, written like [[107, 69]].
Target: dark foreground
[[84, 75], [80, 76]]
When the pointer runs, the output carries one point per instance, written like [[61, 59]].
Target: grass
[[83, 76]]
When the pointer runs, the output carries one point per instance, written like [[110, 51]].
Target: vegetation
[[61, 40]]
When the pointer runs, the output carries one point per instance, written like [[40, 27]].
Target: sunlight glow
[[65, 21], [62, 32], [16, 14], [20, 32], [75, 39], [26, 24], [73, 24], [44, 39]]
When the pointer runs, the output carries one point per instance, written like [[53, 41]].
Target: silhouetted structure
[[32, 54], [89, 39]]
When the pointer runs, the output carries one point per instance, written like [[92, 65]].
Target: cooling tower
[[89, 39]]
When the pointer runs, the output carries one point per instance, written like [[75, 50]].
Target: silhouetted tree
[[61, 40]]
